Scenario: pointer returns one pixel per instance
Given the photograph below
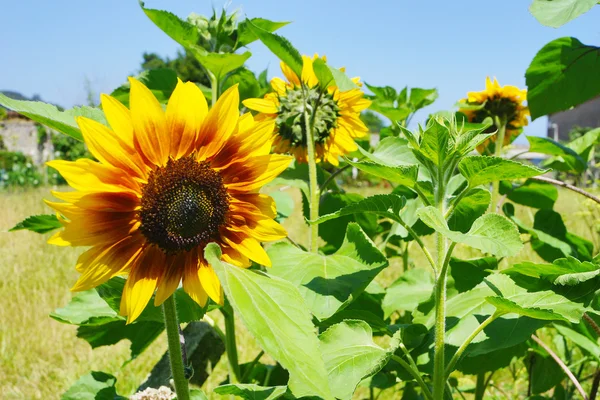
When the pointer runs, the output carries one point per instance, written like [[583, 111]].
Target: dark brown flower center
[[184, 204]]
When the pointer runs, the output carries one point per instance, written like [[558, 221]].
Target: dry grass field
[[40, 357]]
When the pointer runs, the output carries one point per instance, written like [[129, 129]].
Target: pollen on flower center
[[290, 118], [183, 205]]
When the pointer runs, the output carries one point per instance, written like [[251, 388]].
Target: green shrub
[[17, 170]]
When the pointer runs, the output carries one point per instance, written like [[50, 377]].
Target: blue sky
[[50, 48]]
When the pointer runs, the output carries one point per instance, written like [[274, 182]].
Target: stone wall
[[21, 135]]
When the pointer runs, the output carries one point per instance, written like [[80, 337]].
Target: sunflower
[[166, 184], [337, 119], [498, 102]]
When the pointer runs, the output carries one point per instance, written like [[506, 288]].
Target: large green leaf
[[471, 207], [490, 233], [280, 46], [248, 85], [351, 355], [532, 193], [160, 81], [38, 224], [52, 117], [555, 13], [245, 36], [386, 205], [96, 312], [491, 361], [401, 174], [329, 283], [342, 81], [466, 311], [544, 373], [94, 386], [566, 159], [251, 391], [277, 316], [563, 74], [507, 307], [408, 291], [481, 170], [469, 273], [392, 151], [563, 271], [221, 64], [580, 340], [181, 31]]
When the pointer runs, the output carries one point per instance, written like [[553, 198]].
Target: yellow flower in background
[[337, 121], [503, 102], [167, 183]]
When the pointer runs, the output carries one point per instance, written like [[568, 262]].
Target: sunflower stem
[[312, 177], [501, 125], [230, 344], [214, 86], [175, 354]]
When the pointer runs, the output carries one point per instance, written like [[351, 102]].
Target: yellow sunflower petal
[[261, 105], [308, 73], [248, 246], [192, 286], [142, 281], [289, 74], [149, 124], [108, 148], [119, 118], [279, 86], [90, 176], [210, 283], [101, 263], [172, 274], [185, 113], [219, 124], [254, 173]]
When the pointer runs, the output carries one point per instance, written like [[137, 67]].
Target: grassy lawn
[[40, 358]]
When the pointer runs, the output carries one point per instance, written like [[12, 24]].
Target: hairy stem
[[468, 341], [312, 177], [480, 386], [568, 186], [415, 374], [592, 323], [230, 344], [501, 125], [175, 354], [595, 384], [443, 258], [562, 365]]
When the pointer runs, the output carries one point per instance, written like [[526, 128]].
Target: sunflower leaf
[[95, 385], [386, 205], [277, 316], [566, 159], [329, 283], [563, 74], [52, 117], [481, 170], [402, 174], [251, 391], [280, 46], [38, 224], [490, 233], [181, 31], [221, 64], [351, 355], [555, 13], [247, 36]]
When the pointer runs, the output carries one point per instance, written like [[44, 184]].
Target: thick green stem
[[214, 86], [230, 344], [314, 185], [415, 374], [480, 386], [175, 355], [468, 341], [501, 125], [443, 259]]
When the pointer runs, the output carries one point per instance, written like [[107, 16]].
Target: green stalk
[[230, 344], [214, 87], [175, 355], [501, 125], [480, 386], [468, 341], [312, 177], [439, 377], [415, 374]]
